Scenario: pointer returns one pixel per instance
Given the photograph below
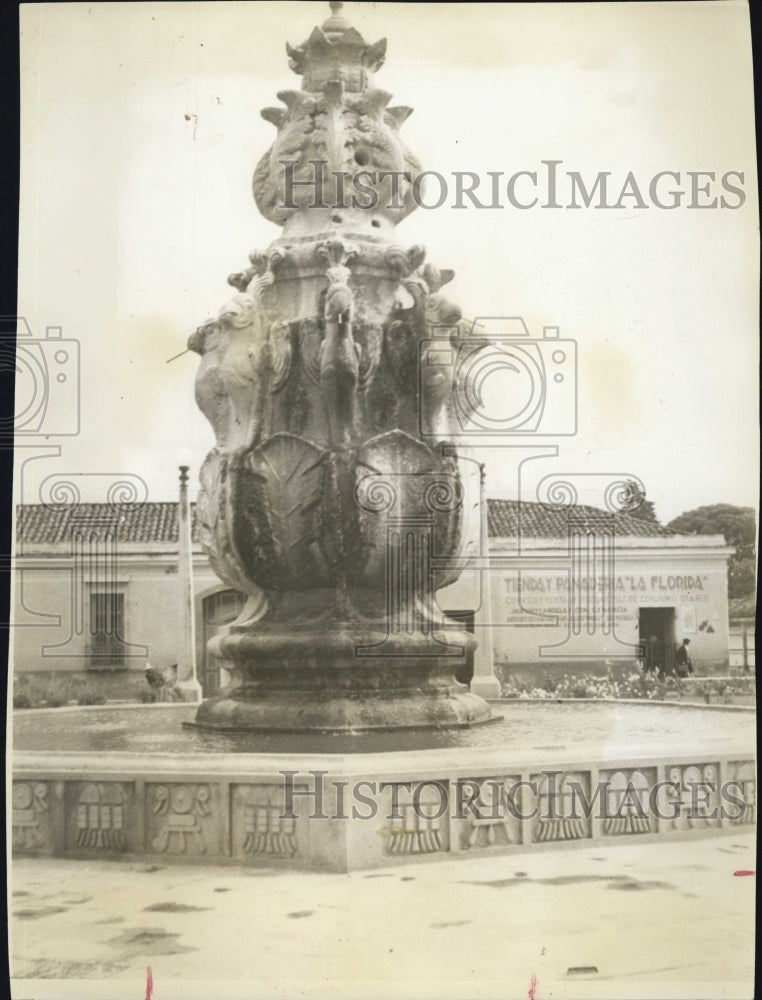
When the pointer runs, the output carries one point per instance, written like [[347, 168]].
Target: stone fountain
[[336, 501], [334, 497]]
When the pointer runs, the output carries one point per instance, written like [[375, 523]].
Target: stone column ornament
[[187, 681]]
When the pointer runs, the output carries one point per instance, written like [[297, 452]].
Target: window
[[107, 614], [106, 647]]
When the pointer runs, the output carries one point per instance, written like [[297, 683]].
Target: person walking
[[683, 664]]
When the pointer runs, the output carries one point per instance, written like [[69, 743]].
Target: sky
[[140, 133]]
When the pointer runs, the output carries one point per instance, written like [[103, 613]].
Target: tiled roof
[[157, 522], [509, 518], [142, 522]]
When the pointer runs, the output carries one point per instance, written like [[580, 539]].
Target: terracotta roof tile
[[157, 522], [510, 518], [145, 522]]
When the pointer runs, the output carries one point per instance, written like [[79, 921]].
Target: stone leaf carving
[[214, 524], [369, 338], [275, 503], [369, 341], [310, 339], [280, 354], [401, 348], [350, 133], [396, 477]]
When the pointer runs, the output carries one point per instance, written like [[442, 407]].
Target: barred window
[[107, 614]]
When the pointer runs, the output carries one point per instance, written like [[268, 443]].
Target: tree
[[636, 504], [738, 526], [741, 577]]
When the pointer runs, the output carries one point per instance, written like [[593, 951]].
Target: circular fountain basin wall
[[132, 780]]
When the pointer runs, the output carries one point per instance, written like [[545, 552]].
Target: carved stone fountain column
[[333, 498]]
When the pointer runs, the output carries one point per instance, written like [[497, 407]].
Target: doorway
[[219, 609], [465, 671], [656, 635]]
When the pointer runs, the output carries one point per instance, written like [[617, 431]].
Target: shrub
[[54, 691], [722, 689], [634, 685], [91, 697]]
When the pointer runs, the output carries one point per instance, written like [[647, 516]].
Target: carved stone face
[[354, 135]]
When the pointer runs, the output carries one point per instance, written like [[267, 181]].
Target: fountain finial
[[336, 25], [339, 118], [336, 51]]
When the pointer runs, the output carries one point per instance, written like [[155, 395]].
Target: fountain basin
[[131, 781]]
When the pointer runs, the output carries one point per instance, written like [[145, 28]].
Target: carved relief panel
[[561, 813], [30, 816], [261, 827], [183, 819], [100, 816]]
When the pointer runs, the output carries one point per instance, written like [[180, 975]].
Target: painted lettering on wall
[[547, 598], [639, 584]]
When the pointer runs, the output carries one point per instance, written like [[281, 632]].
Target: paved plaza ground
[[654, 920]]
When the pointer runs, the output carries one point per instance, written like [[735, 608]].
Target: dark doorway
[[465, 671], [219, 609], [656, 634]]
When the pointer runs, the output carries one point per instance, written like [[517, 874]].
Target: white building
[[97, 589]]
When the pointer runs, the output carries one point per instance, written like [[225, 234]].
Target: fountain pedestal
[[307, 678]]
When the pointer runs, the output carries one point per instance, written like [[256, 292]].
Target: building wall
[[50, 633], [551, 611], [522, 615]]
